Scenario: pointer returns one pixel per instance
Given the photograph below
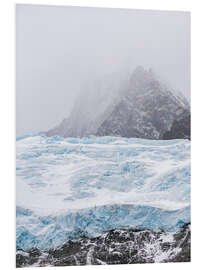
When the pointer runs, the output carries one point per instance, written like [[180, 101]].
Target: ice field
[[75, 186]]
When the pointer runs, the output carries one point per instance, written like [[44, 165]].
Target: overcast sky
[[59, 49]]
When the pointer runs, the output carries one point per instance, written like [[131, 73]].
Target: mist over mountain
[[139, 105]]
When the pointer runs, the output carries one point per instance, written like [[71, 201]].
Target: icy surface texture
[[70, 187]]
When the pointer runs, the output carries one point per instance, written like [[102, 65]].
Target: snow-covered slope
[[68, 187], [147, 110]]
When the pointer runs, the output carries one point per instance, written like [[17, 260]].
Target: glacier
[[71, 187]]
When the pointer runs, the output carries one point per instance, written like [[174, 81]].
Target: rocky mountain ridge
[[144, 107]]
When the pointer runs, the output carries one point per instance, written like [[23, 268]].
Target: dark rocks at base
[[27, 258], [114, 247], [184, 243]]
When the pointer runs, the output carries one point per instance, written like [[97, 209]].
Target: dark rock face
[[115, 247], [145, 108], [180, 128]]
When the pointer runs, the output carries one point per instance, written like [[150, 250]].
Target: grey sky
[[59, 49]]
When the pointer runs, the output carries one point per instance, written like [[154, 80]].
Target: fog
[[59, 50]]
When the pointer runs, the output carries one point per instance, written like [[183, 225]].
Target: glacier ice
[[75, 186]]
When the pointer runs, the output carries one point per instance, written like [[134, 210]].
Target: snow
[[70, 186]]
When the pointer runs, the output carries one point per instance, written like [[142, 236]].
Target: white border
[[144, 4], [7, 123]]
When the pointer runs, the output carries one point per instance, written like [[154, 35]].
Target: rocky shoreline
[[114, 247]]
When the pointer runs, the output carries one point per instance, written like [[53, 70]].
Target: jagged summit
[[147, 109], [140, 106]]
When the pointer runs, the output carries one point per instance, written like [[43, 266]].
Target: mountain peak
[[140, 73], [144, 108]]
